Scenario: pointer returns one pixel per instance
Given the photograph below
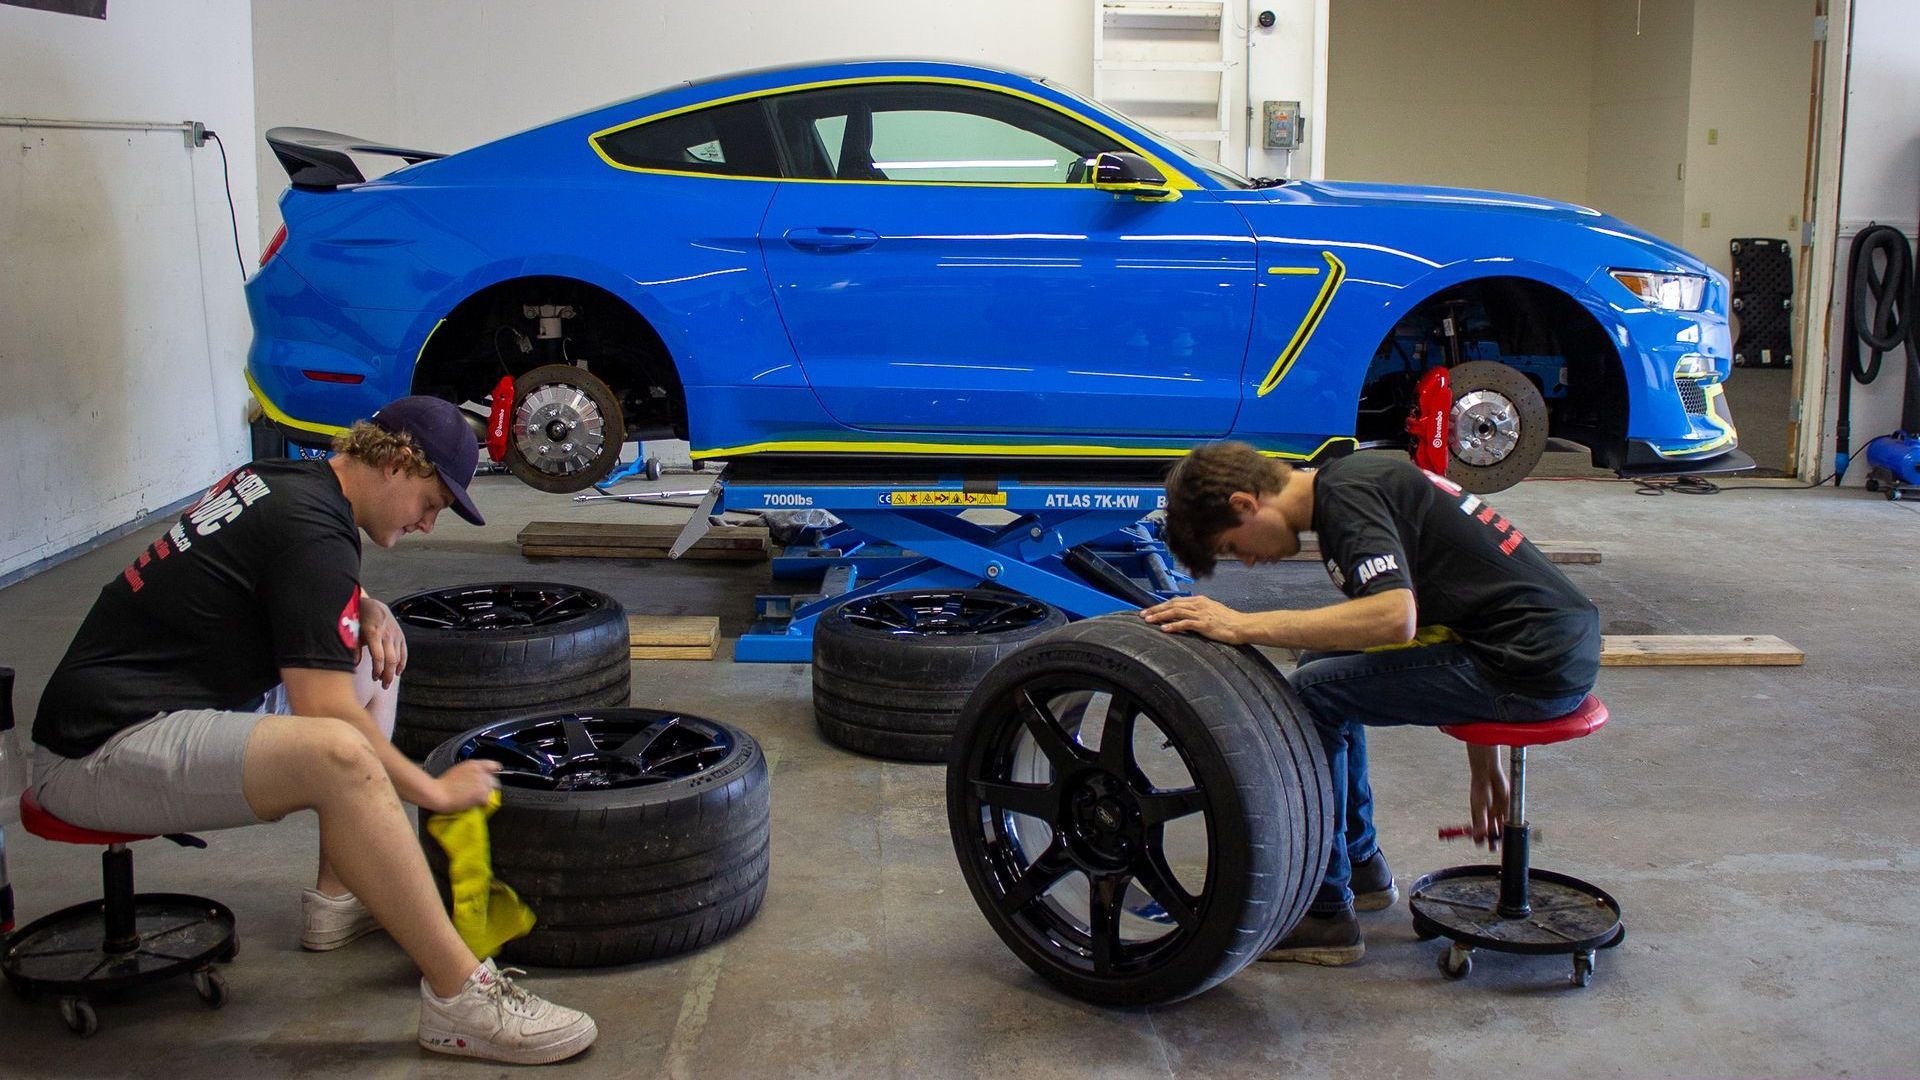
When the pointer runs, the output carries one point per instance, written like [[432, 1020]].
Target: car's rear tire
[[1498, 427], [893, 670], [567, 429], [500, 650], [617, 864], [1069, 842]]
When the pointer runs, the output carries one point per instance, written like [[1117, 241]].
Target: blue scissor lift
[[1083, 545]]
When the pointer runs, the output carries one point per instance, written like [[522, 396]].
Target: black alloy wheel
[[604, 751], [497, 606], [1137, 814], [892, 670]]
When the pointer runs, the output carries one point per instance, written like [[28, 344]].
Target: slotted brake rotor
[[559, 429]]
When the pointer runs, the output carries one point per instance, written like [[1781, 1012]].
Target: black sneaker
[[1373, 887], [1328, 940]]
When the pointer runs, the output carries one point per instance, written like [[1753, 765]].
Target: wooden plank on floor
[[672, 637], [633, 540], [1561, 552], [1698, 650], [533, 551]]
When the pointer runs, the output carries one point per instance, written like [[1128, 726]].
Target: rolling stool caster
[[121, 941], [1513, 907]]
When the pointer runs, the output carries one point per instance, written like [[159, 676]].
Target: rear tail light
[[335, 377], [273, 245]]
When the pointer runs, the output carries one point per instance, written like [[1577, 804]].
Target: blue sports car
[[824, 265]]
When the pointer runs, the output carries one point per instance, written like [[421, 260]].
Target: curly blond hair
[[1198, 487], [371, 444]]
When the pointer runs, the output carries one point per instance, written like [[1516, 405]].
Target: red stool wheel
[[1512, 907]]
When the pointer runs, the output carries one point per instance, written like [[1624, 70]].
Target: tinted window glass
[[727, 140], [952, 134]]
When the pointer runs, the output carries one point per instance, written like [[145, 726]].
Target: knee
[[341, 755]]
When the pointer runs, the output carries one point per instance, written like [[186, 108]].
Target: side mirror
[[1124, 173]]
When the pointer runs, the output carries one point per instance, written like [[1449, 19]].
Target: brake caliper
[[500, 418], [1427, 424]]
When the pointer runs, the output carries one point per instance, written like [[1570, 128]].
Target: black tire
[[623, 874], [1498, 428], [500, 650], [567, 429], [892, 671], [1251, 764]]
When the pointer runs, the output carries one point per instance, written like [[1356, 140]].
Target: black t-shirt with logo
[[262, 573], [1385, 524]]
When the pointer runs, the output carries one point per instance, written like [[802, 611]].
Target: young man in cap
[[1452, 617], [237, 672]]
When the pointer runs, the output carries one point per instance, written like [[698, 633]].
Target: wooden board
[[1562, 552], [672, 637], [628, 540], [1698, 650]]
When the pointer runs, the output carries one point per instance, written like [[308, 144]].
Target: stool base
[[65, 953], [1569, 917]]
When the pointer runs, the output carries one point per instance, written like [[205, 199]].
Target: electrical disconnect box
[[1280, 127]]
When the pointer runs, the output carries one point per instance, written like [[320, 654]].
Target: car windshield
[[1224, 175]]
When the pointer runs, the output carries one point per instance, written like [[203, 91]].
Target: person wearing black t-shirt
[[237, 672], [1452, 616]]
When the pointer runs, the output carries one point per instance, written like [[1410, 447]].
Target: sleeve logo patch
[[349, 624], [1373, 567]]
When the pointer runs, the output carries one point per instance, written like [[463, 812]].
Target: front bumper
[[1644, 459]]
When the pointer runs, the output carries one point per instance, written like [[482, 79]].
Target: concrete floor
[[1759, 825]]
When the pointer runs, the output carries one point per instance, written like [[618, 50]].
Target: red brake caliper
[[1427, 425], [500, 418]]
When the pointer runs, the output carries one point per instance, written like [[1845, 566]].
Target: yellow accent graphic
[[991, 450], [1176, 179], [1284, 362], [1714, 394], [275, 414], [947, 498], [1304, 271], [426, 340]]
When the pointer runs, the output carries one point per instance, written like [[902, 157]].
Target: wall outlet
[[1706, 220]]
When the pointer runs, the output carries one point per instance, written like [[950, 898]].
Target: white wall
[[1282, 66], [122, 328], [1641, 58], [1880, 182], [462, 73], [1750, 88], [1472, 93]]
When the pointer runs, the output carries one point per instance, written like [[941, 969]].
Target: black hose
[[1879, 312]]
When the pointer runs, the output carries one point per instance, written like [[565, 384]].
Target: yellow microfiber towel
[[486, 913]]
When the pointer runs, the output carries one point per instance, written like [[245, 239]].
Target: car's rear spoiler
[[316, 159]]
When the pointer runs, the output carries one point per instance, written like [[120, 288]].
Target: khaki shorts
[[178, 772]]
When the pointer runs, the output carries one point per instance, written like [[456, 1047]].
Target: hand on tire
[[1200, 614], [468, 784]]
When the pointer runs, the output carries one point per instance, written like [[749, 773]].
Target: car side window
[[726, 140], [931, 132]]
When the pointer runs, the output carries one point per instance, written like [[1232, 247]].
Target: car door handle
[[831, 239]]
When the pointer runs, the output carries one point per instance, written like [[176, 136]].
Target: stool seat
[[44, 825], [1584, 720]]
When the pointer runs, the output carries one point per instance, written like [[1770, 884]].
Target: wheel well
[[1523, 323], [515, 326]]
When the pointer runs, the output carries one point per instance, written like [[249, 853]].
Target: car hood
[[1406, 197]]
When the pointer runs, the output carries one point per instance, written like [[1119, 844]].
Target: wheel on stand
[[79, 1015], [1582, 969], [1456, 962], [211, 986]]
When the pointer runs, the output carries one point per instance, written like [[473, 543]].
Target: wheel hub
[[1104, 821], [559, 429], [1485, 428]]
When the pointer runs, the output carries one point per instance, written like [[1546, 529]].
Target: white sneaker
[[492, 1018], [330, 922]]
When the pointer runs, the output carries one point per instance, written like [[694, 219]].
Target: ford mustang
[[893, 262]]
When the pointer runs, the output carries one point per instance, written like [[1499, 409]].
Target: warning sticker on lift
[[947, 498]]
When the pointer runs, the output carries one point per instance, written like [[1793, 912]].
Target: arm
[[1389, 617], [380, 633], [315, 692]]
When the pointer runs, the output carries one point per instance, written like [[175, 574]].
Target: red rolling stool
[[1512, 907], [120, 941]]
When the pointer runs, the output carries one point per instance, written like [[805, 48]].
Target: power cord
[[233, 216]]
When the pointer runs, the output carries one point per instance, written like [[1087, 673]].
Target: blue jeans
[[1428, 685]]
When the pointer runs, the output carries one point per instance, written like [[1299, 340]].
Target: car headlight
[[1695, 366], [1671, 292]]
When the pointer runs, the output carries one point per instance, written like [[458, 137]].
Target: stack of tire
[[623, 854], [502, 650], [1762, 301], [893, 670], [1062, 857]]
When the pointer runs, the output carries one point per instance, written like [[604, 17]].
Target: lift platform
[[1084, 544]]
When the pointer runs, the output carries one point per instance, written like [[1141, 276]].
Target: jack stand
[[641, 466]]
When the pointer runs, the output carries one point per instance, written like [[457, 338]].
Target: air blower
[[1880, 313]]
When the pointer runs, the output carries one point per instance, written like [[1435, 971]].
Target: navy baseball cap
[[439, 428]]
